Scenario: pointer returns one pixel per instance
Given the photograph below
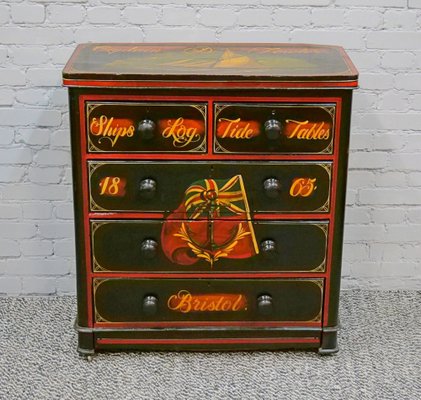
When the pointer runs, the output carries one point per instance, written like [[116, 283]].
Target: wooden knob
[[265, 304], [146, 129], [150, 305], [149, 248], [273, 129], [272, 187], [147, 188], [268, 248]]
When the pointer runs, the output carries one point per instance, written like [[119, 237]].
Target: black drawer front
[[165, 300], [133, 127], [258, 128], [200, 246], [210, 190]]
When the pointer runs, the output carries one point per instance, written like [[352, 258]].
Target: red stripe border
[[110, 341], [225, 324], [209, 84], [210, 99]]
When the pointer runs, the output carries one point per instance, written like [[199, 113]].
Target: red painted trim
[[210, 128], [85, 212], [111, 341], [332, 218], [124, 215], [209, 275], [281, 217], [149, 99], [208, 157], [210, 98], [85, 157], [209, 84], [225, 324], [258, 217]]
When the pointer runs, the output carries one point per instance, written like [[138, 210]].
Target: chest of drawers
[[209, 190]]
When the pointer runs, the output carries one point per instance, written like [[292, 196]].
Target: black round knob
[[273, 129], [150, 305], [146, 128], [272, 187], [264, 304], [147, 188], [268, 248], [149, 248]]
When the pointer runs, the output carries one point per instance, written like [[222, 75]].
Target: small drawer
[[131, 127], [201, 246], [120, 300], [210, 190], [280, 128]]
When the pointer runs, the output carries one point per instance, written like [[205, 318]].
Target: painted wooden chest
[[209, 192]]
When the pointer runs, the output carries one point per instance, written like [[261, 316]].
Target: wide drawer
[[164, 300], [133, 127], [210, 190], [201, 246], [278, 128]]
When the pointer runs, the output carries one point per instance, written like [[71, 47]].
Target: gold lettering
[[182, 302], [218, 304], [237, 131], [185, 302], [107, 129], [181, 134], [237, 303], [306, 130], [302, 187]]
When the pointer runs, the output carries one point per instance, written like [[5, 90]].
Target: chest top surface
[[209, 62]]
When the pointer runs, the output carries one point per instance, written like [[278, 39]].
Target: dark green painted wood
[[174, 178], [120, 300], [299, 246]]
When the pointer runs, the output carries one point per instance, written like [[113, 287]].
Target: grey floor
[[379, 358]]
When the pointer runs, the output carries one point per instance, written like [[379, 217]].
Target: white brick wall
[[383, 37]]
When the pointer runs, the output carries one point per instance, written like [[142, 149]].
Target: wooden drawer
[[146, 127], [119, 300], [278, 128], [177, 246], [210, 190]]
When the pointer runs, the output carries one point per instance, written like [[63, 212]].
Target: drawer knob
[[149, 248], [150, 305], [146, 128], [147, 188], [272, 187], [268, 247], [273, 129], [265, 304]]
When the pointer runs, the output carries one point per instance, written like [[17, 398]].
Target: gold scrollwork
[[328, 149], [92, 147], [201, 108], [96, 284], [219, 108], [320, 284], [96, 266], [92, 167], [219, 148], [331, 110], [325, 229], [90, 107], [328, 168]]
